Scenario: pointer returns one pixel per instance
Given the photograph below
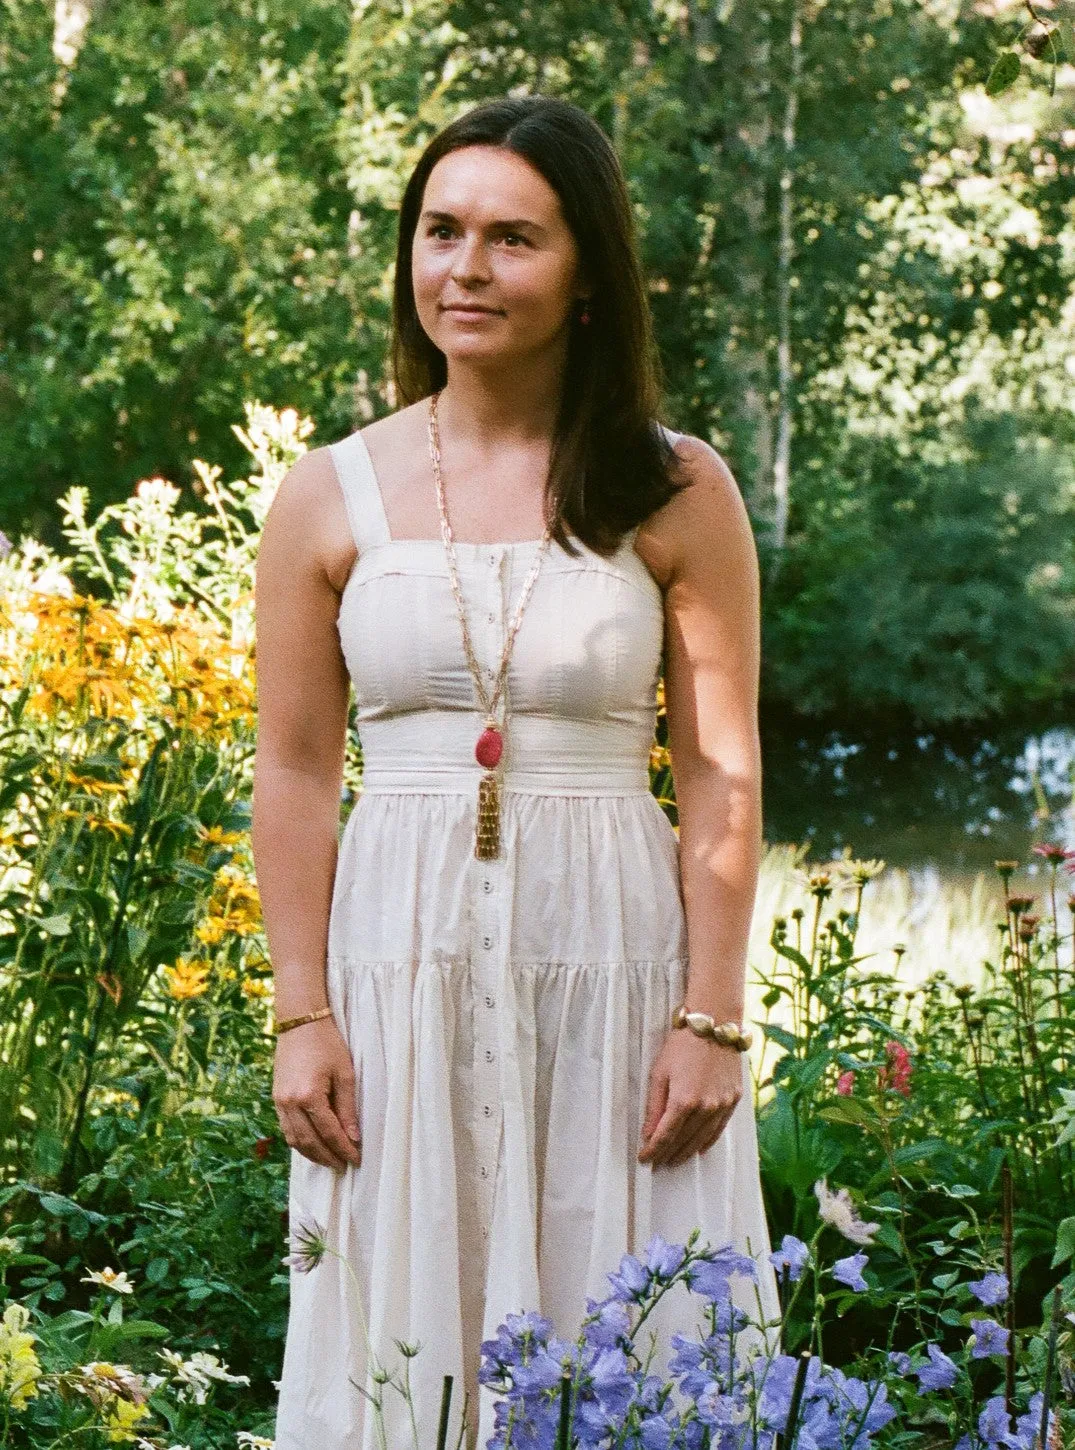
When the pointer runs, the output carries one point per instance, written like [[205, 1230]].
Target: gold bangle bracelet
[[289, 1022], [727, 1034]]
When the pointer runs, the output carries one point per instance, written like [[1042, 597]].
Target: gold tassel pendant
[[487, 844]]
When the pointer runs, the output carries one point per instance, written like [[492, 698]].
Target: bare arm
[[712, 660], [713, 650], [298, 769]]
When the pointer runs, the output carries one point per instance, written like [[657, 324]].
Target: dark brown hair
[[611, 465]]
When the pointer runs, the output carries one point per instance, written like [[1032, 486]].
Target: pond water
[[947, 802]]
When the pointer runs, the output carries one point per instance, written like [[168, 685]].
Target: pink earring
[[584, 315]]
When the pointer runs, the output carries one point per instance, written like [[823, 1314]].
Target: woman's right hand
[[314, 1093]]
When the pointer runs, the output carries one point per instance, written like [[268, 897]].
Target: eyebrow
[[511, 223]]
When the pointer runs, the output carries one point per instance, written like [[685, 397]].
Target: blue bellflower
[[630, 1281], [939, 1374], [790, 1258], [989, 1338], [849, 1271], [663, 1259], [710, 1275], [991, 1290]]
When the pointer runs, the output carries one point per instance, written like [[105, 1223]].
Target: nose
[[470, 264]]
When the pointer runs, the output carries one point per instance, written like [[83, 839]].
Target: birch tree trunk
[[754, 130], [785, 404], [69, 21], [730, 43]]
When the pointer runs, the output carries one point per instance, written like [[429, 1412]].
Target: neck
[[513, 405]]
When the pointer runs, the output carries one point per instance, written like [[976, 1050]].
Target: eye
[[508, 236], [436, 227]]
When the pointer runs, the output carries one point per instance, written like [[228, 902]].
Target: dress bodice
[[581, 689]]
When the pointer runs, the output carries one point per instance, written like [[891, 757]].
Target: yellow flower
[[211, 932], [119, 1419], [92, 785], [20, 1368], [118, 1282], [188, 979], [256, 987], [659, 757], [217, 836]]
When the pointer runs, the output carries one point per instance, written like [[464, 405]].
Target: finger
[[300, 1134], [703, 1139], [677, 1124], [344, 1105], [657, 1102], [330, 1131]]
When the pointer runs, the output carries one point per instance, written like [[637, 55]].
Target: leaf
[[780, 1035], [137, 937], [887, 1236], [1065, 1242], [157, 1270], [790, 954], [958, 1190], [144, 1329], [1005, 72], [915, 1152], [849, 1111]]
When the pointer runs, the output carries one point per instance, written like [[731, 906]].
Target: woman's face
[[494, 266]]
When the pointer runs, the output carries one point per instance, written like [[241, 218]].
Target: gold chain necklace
[[490, 746]]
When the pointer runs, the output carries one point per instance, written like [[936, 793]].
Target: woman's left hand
[[694, 1086]]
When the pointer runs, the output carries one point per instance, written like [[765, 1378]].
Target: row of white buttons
[[495, 562]]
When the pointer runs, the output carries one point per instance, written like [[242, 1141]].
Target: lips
[[466, 311]]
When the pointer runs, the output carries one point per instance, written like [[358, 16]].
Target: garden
[[856, 224], [916, 1126]]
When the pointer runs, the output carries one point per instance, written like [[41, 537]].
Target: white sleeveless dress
[[502, 1015]]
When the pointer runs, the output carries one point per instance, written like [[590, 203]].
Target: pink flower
[[1055, 854], [897, 1074], [845, 1084]]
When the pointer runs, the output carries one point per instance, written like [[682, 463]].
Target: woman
[[484, 1093]]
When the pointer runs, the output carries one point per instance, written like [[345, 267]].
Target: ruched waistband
[[384, 779], [434, 751]]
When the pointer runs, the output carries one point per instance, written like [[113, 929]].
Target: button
[[487, 885], [487, 941], [486, 1109], [485, 1233], [488, 1000], [488, 1054], [492, 618], [484, 1172]]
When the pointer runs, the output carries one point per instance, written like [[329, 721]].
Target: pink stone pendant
[[489, 748]]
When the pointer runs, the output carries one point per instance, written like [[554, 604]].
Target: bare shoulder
[[704, 530], [307, 520]]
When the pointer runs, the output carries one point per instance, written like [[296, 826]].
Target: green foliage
[[201, 208], [941, 588], [918, 1097]]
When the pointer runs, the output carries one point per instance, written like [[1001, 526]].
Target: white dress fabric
[[502, 1015]]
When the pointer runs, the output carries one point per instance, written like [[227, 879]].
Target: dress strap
[[361, 492]]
